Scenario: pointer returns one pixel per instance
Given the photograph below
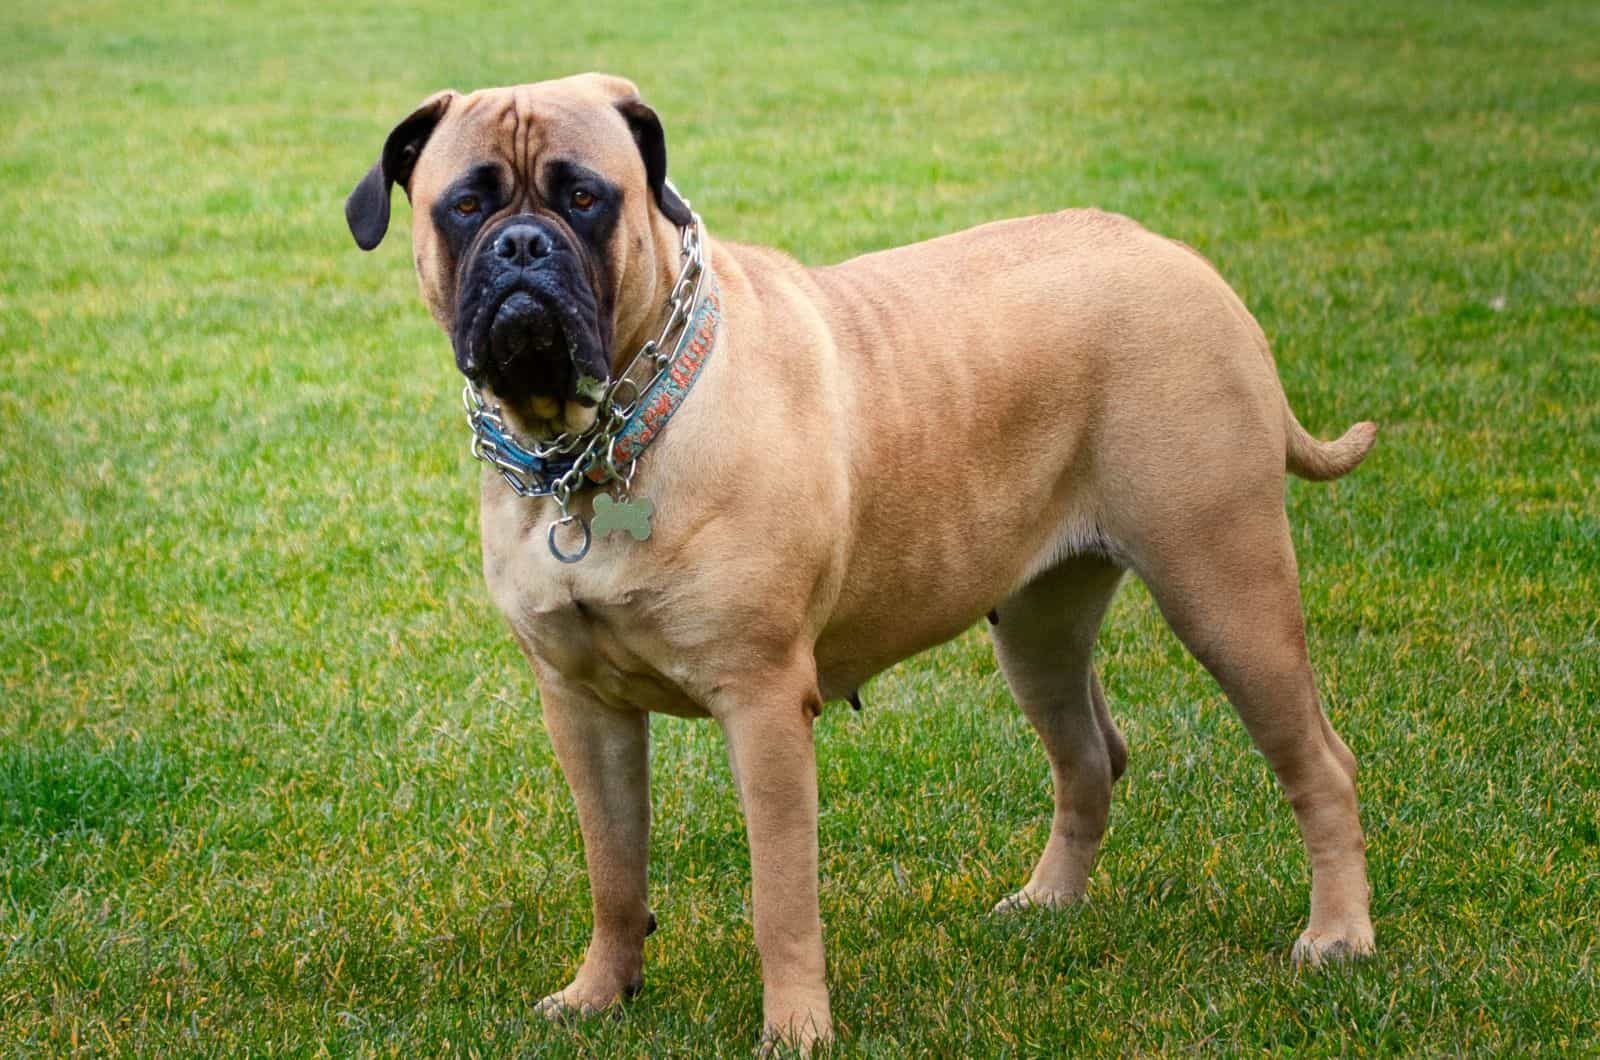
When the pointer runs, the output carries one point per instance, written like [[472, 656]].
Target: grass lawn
[[273, 777]]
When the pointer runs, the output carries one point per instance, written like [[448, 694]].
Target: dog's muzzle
[[525, 335], [527, 322]]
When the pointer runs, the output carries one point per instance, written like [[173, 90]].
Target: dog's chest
[[588, 623]]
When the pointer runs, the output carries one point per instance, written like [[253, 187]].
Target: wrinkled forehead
[[521, 130]]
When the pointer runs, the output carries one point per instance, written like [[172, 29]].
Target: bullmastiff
[[722, 484]]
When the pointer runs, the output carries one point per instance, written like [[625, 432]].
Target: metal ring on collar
[[583, 549]]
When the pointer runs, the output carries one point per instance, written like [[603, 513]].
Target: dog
[[861, 461]]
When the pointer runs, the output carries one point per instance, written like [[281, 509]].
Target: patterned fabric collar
[[663, 396]]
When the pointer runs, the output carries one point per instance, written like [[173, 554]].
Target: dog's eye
[[466, 206], [582, 200]]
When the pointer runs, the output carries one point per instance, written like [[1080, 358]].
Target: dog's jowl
[[820, 472]]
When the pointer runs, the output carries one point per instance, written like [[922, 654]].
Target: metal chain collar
[[560, 467]]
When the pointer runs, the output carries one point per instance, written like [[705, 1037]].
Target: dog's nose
[[522, 243]]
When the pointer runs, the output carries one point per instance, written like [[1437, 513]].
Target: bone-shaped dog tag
[[631, 516]]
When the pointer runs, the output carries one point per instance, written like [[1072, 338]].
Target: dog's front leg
[[604, 754], [768, 729]]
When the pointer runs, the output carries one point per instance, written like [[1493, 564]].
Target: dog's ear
[[653, 149], [367, 208]]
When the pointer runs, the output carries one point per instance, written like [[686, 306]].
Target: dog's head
[[544, 233]]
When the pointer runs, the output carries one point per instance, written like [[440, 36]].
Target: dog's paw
[[556, 1009], [560, 1008], [1313, 949], [803, 1043], [1031, 898], [576, 1002], [796, 1026]]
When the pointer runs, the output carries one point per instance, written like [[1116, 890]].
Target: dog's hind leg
[[1045, 644], [1227, 584]]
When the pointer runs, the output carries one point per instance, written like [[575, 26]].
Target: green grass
[[273, 778]]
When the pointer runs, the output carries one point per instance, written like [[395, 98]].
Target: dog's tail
[[1319, 461]]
